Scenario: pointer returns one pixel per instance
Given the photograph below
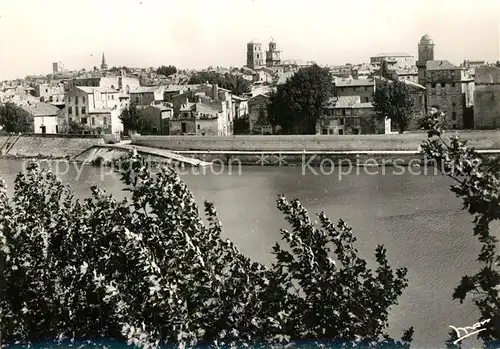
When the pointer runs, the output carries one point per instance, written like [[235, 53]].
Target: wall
[[408, 141], [487, 106], [55, 146], [50, 123]]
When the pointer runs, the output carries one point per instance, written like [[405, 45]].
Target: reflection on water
[[416, 217]]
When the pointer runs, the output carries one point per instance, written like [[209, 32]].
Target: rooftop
[[392, 54], [145, 89], [92, 89], [440, 65], [354, 82], [344, 101], [41, 109]]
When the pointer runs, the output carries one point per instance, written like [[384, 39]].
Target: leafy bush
[[477, 183], [149, 271]]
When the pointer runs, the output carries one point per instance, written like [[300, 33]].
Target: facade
[[159, 116], [143, 95], [44, 116], [487, 98], [94, 109], [57, 67], [425, 54], [363, 88], [255, 56], [395, 60], [257, 113], [273, 55], [122, 83], [50, 93], [240, 105], [451, 89], [344, 115]]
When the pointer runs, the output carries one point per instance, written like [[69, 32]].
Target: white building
[[44, 117]]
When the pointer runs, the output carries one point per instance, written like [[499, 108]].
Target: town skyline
[[137, 33]]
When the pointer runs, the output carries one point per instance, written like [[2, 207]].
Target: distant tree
[[14, 119], [297, 104], [393, 100], [75, 128], [166, 70], [236, 83]]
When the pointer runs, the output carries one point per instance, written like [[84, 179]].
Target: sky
[[200, 33]]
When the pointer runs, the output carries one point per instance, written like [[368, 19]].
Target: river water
[[415, 216]]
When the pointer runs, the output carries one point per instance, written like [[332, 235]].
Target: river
[[415, 216]]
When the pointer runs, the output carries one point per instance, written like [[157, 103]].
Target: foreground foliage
[[477, 183], [151, 272], [14, 119]]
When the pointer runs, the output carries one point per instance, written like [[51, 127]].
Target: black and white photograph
[[250, 174]]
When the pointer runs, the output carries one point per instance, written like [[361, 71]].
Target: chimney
[[215, 92]]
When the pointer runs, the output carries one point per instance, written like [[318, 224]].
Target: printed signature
[[476, 328]]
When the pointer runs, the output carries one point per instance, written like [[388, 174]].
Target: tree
[[14, 119], [299, 102], [393, 100], [476, 181], [166, 70], [149, 270], [235, 83], [130, 118]]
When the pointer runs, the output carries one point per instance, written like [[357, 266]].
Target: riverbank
[[46, 146]]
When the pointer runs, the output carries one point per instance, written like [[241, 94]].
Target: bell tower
[[273, 56], [104, 66], [425, 54], [254, 55]]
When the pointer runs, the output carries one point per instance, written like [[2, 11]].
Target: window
[[47, 90], [453, 105], [366, 99], [69, 99], [83, 99], [366, 88], [77, 111], [342, 121], [70, 110], [76, 100], [454, 127], [198, 127], [341, 131], [84, 111], [453, 115], [324, 131], [354, 89], [112, 96], [92, 121], [453, 85], [105, 120], [84, 121], [343, 112]]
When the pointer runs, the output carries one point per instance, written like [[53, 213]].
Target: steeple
[[104, 66]]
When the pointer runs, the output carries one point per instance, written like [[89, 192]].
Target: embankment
[[356, 143], [55, 146], [302, 150]]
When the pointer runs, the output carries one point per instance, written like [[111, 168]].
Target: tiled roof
[[363, 105], [354, 82], [440, 65], [174, 88], [41, 109], [145, 89], [100, 111], [92, 89]]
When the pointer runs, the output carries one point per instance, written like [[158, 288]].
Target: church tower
[[273, 56], [425, 54], [255, 58], [104, 66]]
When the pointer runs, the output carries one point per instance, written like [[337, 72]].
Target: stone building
[[344, 115], [397, 60], [487, 98], [452, 89], [255, 56], [363, 88]]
